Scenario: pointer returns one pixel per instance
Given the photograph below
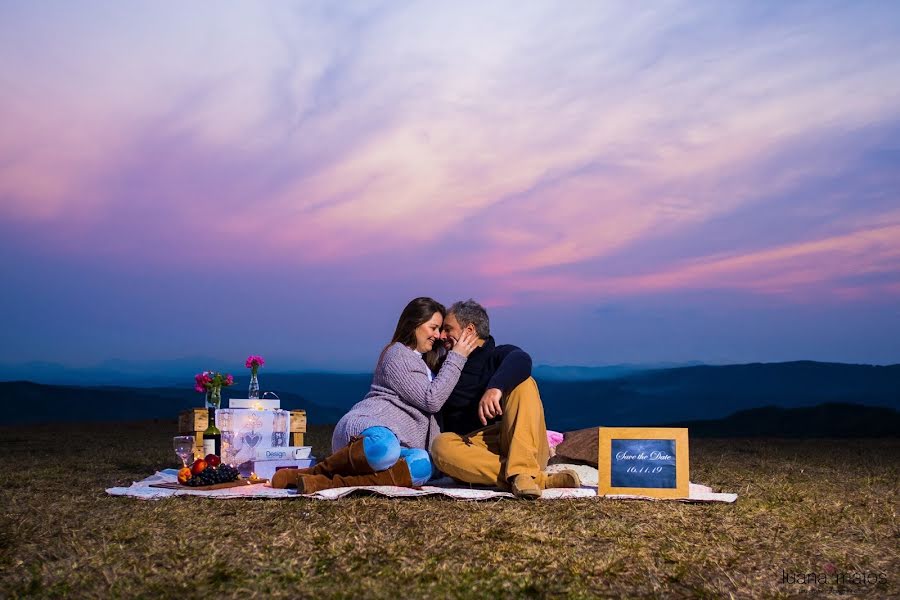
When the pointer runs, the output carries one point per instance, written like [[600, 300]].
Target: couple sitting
[[441, 367]]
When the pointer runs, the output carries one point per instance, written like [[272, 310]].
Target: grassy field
[[823, 508]]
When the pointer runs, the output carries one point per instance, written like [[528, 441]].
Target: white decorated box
[[255, 403], [266, 468], [245, 432], [285, 453]]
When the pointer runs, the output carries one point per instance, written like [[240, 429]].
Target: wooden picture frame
[[638, 461]]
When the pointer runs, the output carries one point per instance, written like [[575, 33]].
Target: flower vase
[[253, 393], [214, 397]]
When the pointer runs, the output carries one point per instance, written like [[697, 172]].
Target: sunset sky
[[616, 182]]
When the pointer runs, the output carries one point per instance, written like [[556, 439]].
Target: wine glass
[[184, 447], [224, 421]]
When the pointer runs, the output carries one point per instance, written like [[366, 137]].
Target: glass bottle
[[212, 437]]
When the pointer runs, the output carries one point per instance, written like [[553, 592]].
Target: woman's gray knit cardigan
[[402, 398]]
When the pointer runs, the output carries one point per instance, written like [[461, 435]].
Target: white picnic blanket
[[440, 487]]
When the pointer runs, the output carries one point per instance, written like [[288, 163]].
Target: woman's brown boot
[[397, 475], [285, 478], [349, 460]]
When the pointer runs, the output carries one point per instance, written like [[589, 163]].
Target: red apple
[[183, 475], [198, 466], [212, 460]]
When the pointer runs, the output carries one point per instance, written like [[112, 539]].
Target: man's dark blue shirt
[[490, 366]]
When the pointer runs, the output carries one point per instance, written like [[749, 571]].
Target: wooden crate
[[194, 421], [298, 421], [198, 444], [197, 419], [298, 427]]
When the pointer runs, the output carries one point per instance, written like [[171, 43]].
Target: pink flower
[[254, 362], [210, 379], [202, 381]]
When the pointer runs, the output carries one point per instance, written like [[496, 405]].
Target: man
[[493, 422]]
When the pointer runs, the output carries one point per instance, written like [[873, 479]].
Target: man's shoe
[[525, 487], [563, 479], [397, 475]]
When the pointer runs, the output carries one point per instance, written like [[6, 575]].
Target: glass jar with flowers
[[253, 363], [212, 383]]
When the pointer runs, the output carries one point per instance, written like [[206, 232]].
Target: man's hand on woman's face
[[489, 406]]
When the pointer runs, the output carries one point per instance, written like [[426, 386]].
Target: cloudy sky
[[617, 182]]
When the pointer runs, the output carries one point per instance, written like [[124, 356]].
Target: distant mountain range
[[713, 392], [109, 372], [28, 402], [580, 373], [174, 372], [641, 397], [831, 420]]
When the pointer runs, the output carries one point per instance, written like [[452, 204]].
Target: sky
[[616, 182]]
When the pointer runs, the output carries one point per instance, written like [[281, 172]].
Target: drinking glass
[[184, 447], [224, 419], [279, 428]]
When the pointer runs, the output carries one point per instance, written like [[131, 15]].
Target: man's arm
[[514, 368]]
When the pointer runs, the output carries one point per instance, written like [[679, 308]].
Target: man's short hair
[[469, 311]]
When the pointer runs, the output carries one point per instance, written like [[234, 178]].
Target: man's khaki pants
[[495, 454]]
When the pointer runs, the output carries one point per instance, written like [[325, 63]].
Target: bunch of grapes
[[213, 475]]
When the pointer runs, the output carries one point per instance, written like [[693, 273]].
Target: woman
[[384, 437]]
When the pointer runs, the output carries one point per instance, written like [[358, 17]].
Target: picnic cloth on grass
[[440, 487]]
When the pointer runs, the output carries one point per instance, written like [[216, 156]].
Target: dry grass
[[802, 504]]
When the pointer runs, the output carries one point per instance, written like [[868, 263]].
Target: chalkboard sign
[[644, 461]]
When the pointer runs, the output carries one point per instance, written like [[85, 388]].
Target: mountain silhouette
[[651, 397], [714, 392], [831, 420], [28, 402]]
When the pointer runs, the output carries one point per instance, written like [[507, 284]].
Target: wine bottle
[[212, 437]]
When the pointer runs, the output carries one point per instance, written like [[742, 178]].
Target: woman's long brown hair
[[418, 311]]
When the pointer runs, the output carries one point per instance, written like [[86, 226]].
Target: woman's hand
[[467, 342]]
